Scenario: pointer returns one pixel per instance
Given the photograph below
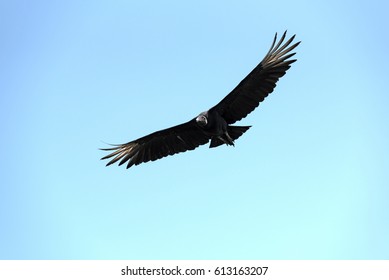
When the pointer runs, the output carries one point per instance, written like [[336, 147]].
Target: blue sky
[[309, 180]]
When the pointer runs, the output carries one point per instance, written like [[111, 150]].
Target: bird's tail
[[234, 131]]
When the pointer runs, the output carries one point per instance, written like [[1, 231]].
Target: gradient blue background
[[309, 180]]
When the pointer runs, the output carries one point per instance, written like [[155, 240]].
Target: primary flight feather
[[214, 124]]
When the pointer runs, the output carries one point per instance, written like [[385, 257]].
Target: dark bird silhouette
[[216, 123]]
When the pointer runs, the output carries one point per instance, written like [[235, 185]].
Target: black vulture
[[216, 123]]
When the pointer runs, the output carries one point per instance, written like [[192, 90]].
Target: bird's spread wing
[[261, 81], [177, 139]]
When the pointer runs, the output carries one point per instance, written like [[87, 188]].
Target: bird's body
[[214, 125]]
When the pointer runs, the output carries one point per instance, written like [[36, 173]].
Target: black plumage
[[214, 124]]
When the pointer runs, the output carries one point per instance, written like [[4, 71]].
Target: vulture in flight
[[216, 123]]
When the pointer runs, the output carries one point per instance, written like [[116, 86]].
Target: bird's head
[[202, 120]]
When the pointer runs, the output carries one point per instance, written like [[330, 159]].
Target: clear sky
[[309, 180]]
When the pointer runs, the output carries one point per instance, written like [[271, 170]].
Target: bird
[[216, 124]]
